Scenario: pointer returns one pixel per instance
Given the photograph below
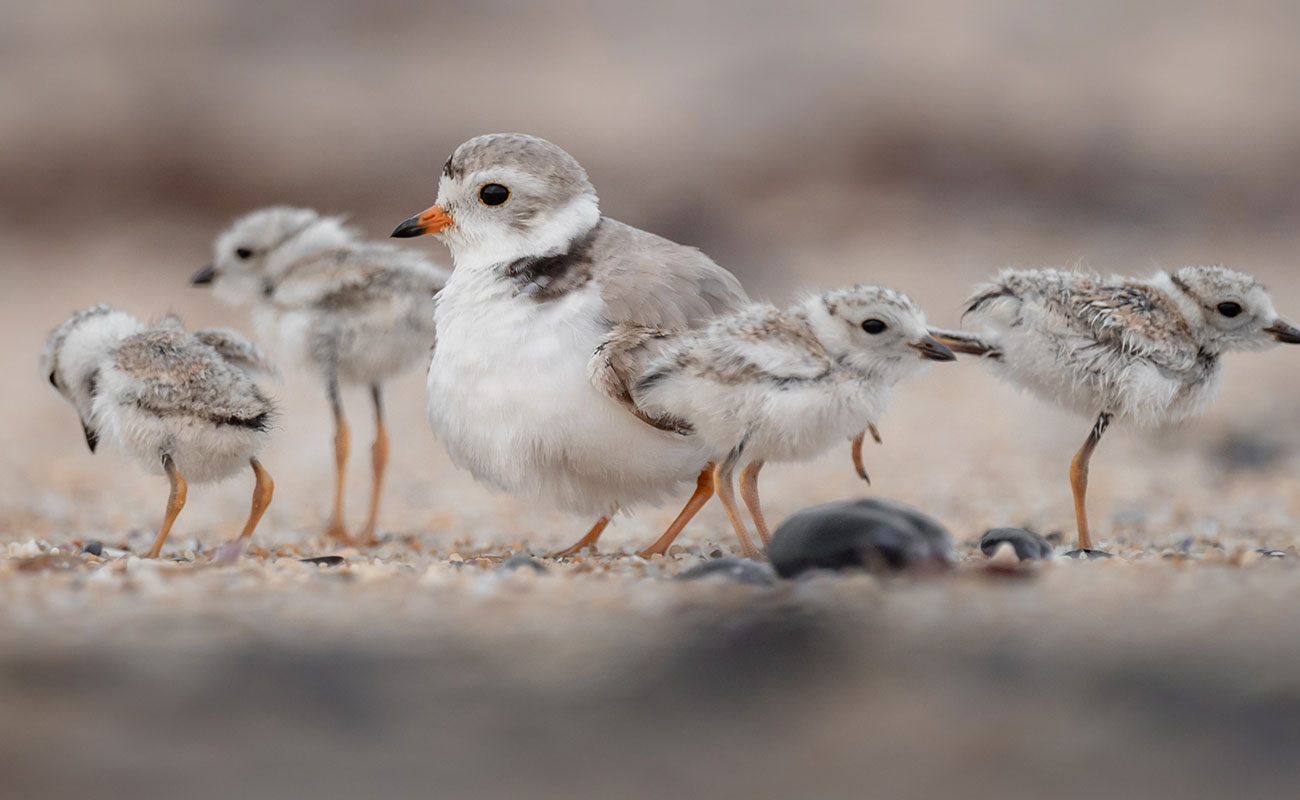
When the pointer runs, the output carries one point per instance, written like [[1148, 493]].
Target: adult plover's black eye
[[874, 326], [1229, 309], [244, 253], [493, 194]]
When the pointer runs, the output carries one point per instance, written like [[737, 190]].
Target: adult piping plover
[[540, 280], [354, 312], [1144, 351], [766, 385], [180, 403]]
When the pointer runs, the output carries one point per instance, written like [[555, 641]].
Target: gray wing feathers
[[651, 281], [651, 287]]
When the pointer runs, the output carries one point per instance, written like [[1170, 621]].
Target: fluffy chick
[[181, 404]]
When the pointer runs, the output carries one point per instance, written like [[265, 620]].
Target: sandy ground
[[419, 668], [921, 146]]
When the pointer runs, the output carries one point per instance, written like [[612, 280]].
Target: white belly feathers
[[510, 399]]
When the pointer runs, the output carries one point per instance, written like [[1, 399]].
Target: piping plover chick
[[540, 280], [765, 385], [352, 312], [181, 404], [1144, 351]]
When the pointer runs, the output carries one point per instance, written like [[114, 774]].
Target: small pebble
[[521, 562], [880, 535], [1004, 555], [1267, 553], [324, 561], [742, 570], [1026, 544]]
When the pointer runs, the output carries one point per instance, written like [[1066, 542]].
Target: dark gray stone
[[872, 533], [742, 570], [521, 562], [329, 561], [1088, 554], [1251, 450], [94, 548], [1028, 545]]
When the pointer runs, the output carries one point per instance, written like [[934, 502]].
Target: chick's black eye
[[244, 253], [1229, 309], [874, 326], [493, 194], [54, 380]]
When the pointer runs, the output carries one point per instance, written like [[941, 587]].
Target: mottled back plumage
[[159, 390]]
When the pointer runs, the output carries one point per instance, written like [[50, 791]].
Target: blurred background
[[802, 145]]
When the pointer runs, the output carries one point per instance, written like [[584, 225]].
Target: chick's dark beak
[[92, 436], [932, 349], [205, 276], [432, 220], [1284, 332]]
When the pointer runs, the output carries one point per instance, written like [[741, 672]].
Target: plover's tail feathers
[[968, 343]]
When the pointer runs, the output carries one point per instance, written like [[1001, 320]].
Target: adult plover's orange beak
[[431, 220], [932, 349], [1284, 332]]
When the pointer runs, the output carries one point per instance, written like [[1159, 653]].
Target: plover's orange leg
[[262, 493], [722, 476], [342, 449], [379, 460], [858, 463], [703, 491], [857, 458], [175, 502], [589, 540], [1079, 479], [749, 493]]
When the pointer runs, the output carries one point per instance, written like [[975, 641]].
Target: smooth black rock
[[1028, 545], [742, 570], [94, 548], [1089, 554], [520, 561], [876, 534], [329, 561]]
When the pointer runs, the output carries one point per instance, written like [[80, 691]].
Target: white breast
[[510, 399]]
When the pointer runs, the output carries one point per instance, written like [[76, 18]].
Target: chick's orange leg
[[263, 491], [175, 502], [749, 493], [1079, 469], [379, 461], [342, 449], [722, 482]]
